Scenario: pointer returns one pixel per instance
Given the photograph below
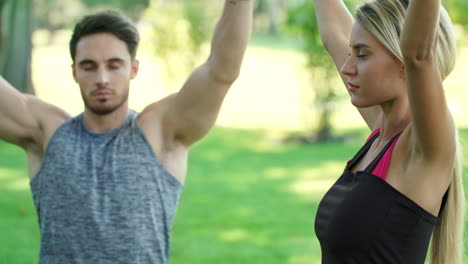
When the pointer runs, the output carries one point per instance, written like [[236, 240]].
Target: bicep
[[25, 118], [432, 123], [192, 112], [17, 122]]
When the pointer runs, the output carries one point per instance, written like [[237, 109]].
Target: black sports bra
[[362, 219]]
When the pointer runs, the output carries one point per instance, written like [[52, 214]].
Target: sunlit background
[[254, 183]]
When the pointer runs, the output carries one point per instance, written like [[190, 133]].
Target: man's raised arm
[[193, 111], [24, 118]]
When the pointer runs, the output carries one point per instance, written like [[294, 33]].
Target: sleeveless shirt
[[363, 219], [103, 198]]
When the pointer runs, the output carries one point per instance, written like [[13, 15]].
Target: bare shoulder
[[153, 121], [49, 119], [423, 180], [154, 114]]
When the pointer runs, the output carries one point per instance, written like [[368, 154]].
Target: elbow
[[418, 59], [225, 74], [228, 77], [417, 55]]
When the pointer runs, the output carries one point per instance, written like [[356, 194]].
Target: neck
[[396, 118], [105, 123]]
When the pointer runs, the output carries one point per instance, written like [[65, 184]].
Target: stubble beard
[[100, 108]]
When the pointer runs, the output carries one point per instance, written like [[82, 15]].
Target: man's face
[[103, 69]]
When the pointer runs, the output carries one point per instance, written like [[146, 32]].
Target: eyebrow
[[83, 62], [360, 46], [120, 60], [111, 60]]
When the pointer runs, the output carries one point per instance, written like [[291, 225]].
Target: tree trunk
[[273, 17], [325, 107], [16, 48], [324, 132]]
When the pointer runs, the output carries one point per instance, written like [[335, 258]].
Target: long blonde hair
[[384, 19]]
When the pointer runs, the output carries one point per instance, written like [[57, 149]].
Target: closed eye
[[115, 63], [114, 67], [89, 67]]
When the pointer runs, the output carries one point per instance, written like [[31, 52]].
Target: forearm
[[230, 40], [333, 19], [418, 37]]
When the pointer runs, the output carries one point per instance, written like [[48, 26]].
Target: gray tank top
[[103, 198]]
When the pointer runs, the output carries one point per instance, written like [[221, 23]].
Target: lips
[[102, 94], [352, 87]]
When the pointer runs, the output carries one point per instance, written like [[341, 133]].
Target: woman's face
[[373, 75]]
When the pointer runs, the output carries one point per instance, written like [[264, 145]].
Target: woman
[[405, 184]]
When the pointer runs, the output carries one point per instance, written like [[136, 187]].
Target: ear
[[403, 73], [135, 68]]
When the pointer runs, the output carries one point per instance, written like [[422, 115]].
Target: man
[[106, 183]]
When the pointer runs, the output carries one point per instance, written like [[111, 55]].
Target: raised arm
[[193, 111], [335, 24], [432, 124], [24, 119]]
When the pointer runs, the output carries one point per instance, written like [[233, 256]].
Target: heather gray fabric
[[103, 198]]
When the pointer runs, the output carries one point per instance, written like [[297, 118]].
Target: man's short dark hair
[[106, 22]]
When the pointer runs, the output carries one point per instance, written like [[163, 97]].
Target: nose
[[102, 78], [349, 67]]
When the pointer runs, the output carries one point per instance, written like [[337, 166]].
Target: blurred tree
[[301, 20], [269, 15], [16, 44], [2, 2], [458, 10], [53, 15], [132, 8], [179, 30]]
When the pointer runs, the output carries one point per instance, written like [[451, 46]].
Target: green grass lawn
[[248, 199]]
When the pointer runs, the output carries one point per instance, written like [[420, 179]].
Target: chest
[[112, 160], [78, 169], [362, 211], [374, 154], [103, 180]]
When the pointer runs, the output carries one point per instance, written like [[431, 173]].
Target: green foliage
[[458, 10], [180, 28], [268, 16], [53, 15], [119, 3], [132, 8], [301, 20]]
